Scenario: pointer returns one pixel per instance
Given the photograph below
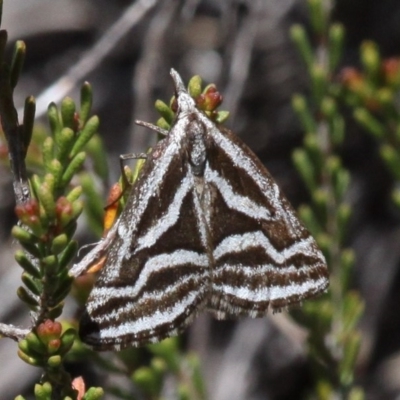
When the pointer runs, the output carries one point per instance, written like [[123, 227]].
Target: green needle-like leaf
[[17, 62]]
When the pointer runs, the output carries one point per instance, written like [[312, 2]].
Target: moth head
[[185, 102]]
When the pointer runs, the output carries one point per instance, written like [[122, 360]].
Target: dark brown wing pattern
[[264, 257]]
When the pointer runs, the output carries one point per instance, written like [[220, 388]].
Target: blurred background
[[125, 49]]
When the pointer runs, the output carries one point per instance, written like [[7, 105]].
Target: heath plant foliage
[[334, 340], [48, 205]]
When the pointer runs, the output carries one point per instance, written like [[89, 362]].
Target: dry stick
[[240, 63], [92, 58], [188, 11], [13, 332], [147, 68]]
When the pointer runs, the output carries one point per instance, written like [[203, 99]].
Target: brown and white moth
[[205, 227]]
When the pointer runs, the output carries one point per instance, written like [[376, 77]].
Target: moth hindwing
[[205, 227]]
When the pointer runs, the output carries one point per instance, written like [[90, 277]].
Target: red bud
[[391, 70], [48, 331], [352, 78]]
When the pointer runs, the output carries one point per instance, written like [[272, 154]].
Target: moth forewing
[[155, 276], [205, 226]]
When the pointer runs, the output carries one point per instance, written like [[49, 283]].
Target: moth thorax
[[197, 150]]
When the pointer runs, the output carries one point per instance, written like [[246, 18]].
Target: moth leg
[[129, 156], [132, 156], [95, 255]]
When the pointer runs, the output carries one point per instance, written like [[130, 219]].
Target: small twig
[[188, 11], [93, 57], [293, 332], [13, 332], [241, 57], [149, 65]]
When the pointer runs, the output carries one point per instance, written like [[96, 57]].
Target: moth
[[205, 227]]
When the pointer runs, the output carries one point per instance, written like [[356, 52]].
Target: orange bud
[[53, 345], [174, 105], [112, 208], [76, 122], [97, 266], [78, 384]]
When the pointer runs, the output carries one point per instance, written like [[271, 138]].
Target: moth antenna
[[155, 128]]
